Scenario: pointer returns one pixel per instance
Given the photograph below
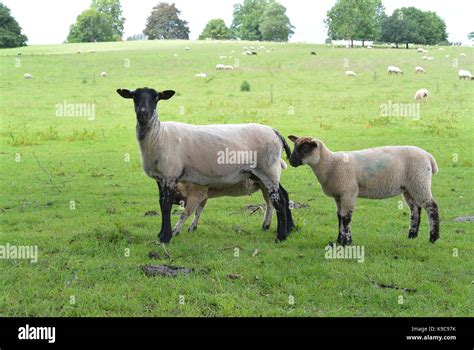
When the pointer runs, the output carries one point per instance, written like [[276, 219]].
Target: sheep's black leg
[[433, 217], [289, 217], [415, 218], [339, 236], [167, 193], [346, 229], [279, 203]]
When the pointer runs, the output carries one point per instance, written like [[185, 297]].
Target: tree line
[[263, 20], [366, 20], [252, 20]]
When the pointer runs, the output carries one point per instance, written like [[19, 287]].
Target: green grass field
[[90, 257]]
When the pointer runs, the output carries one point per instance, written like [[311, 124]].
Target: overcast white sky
[[48, 21]]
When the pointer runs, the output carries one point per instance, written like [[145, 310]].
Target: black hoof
[[265, 227], [433, 239], [164, 238], [345, 241], [412, 235]]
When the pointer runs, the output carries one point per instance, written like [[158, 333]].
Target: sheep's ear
[[125, 93], [166, 95], [293, 138]]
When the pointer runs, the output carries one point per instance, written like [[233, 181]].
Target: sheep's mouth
[[295, 162], [143, 118]]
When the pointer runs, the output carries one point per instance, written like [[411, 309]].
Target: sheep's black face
[[145, 101], [304, 146]]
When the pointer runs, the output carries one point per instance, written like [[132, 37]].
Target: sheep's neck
[[323, 167]]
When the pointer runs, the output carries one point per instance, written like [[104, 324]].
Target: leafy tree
[[112, 8], [470, 36], [275, 24], [261, 20], [216, 29], [399, 28], [10, 30], [370, 27], [411, 25], [164, 23], [355, 20], [91, 26], [246, 22]]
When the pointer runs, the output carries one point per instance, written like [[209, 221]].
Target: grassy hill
[[90, 256]]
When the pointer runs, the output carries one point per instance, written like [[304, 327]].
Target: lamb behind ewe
[[195, 198], [374, 173]]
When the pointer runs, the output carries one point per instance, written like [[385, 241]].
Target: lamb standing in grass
[[196, 196], [464, 74], [419, 69], [374, 173], [394, 70], [350, 73], [421, 94], [27, 76]]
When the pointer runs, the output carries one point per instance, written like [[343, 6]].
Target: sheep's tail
[[434, 166], [285, 144]]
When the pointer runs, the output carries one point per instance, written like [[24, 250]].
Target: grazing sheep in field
[[462, 54], [195, 198], [228, 67], [394, 70], [201, 75], [215, 156], [220, 66], [429, 58], [187, 48], [424, 58], [419, 69], [374, 173], [222, 57], [103, 74], [350, 73], [421, 94], [464, 74], [27, 76]]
